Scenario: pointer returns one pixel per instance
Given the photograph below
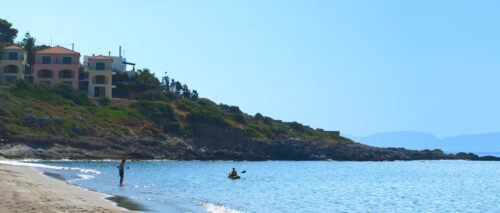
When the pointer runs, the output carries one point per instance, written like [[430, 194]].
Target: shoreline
[[25, 189], [35, 160]]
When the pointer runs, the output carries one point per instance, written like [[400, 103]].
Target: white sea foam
[[38, 165], [85, 177], [213, 208]]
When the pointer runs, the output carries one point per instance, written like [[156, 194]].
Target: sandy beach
[[25, 190]]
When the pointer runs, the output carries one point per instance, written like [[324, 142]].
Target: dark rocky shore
[[22, 147]]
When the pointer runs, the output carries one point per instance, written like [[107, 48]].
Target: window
[[100, 79], [69, 83], [65, 74], [12, 56], [83, 76], [11, 69], [99, 91], [45, 59], [45, 74], [10, 78], [99, 66], [67, 60]]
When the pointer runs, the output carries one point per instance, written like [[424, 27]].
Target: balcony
[[98, 68], [100, 80], [57, 62], [7, 58]]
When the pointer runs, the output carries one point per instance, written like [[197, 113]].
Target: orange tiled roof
[[13, 47], [100, 57], [57, 50]]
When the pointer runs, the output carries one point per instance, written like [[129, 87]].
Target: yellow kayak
[[233, 177]]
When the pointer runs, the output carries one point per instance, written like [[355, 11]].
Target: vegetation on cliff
[[38, 109], [38, 121]]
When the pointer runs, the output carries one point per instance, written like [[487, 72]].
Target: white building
[[119, 62]]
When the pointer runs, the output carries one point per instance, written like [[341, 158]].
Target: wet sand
[[127, 203], [25, 190]]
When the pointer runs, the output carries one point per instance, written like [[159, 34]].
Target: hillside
[[37, 121]]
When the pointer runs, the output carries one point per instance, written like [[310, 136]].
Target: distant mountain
[[488, 143]]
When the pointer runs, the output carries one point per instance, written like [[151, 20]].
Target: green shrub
[[173, 127], [205, 102], [206, 117], [155, 111], [279, 129], [240, 118], [258, 116], [103, 101], [183, 107], [21, 84], [3, 112], [230, 109], [152, 95], [66, 91], [296, 126], [264, 119], [254, 133]]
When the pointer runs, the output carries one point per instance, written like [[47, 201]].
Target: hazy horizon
[[361, 67]]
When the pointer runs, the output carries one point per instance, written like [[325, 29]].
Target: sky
[[360, 67]]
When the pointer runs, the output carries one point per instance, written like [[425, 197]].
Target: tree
[[259, 116], [145, 86], [178, 88], [28, 43], [145, 80], [172, 85], [41, 47], [7, 33], [166, 83], [186, 93], [194, 95]]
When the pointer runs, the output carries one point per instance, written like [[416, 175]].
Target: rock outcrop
[[209, 144]]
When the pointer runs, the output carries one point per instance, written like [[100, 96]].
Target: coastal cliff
[[37, 121]]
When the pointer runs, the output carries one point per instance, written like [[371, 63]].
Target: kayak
[[233, 177]]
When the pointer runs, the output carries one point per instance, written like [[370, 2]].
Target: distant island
[[481, 144], [48, 115]]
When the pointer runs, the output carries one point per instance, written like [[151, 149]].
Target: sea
[[290, 186]]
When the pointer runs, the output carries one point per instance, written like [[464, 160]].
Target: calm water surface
[[283, 186]]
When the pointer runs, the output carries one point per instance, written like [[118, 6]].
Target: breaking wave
[[38, 165], [213, 208]]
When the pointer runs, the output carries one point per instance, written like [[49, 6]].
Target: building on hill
[[120, 76], [100, 75], [119, 63], [56, 65], [12, 63]]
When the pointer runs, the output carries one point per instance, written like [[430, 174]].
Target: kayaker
[[233, 173]]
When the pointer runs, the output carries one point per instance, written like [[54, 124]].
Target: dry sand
[[22, 189]]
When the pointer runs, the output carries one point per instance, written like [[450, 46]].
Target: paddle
[[243, 172]]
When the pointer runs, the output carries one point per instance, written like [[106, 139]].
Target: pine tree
[[186, 93], [194, 95], [178, 88], [166, 83]]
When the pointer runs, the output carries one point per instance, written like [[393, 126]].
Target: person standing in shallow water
[[121, 169]]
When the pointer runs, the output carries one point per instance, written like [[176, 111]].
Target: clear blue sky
[[360, 67]]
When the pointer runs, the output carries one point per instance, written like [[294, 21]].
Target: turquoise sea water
[[285, 186]]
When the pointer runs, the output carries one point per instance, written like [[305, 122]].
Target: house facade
[[57, 65], [100, 76], [12, 63]]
